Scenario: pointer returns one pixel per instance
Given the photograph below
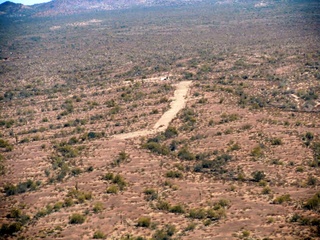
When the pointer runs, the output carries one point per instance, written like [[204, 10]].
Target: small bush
[[113, 189], [119, 180], [174, 174], [163, 205], [99, 235], [77, 218], [170, 132], [225, 118], [216, 213], [2, 167], [185, 154], [312, 181], [177, 209], [68, 202], [76, 171], [257, 151], [165, 233], [57, 206], [276, 141], [144, 222], [245, 233], [190, 227], [151, 194], [108, 176], [22, 187], [316, 153], [10, 229], [80, 196], [122, 157], [258, 176], [282, 199], [98, 207], [157, 148], [6, 145], [198, 213], [313, 203], [266, 190]]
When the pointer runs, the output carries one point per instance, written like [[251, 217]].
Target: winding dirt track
[[178, 103]]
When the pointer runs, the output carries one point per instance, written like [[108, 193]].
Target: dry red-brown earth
[[176, 123]]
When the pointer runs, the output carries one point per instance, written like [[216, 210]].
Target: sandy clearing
[[178, 103]]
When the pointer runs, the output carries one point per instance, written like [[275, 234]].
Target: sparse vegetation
[[82, 98], [99, 235], [144, 222], [282, 199], [22, 187], [313, 203], [77, 218], [174, 174]]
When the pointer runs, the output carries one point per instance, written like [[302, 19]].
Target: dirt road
[[178, 103]]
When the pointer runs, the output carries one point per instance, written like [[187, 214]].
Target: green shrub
[[113, 189], [312, 181], [170, 132], [2, 167], [185, 154], [68, 151], [216, 213], [76, 171], [216, 165], [190, 227], [41, 213], [177, 209], [89, 169], [276, 141], [80, 196], [151, 194], [122, 157], [235, 147], [119, 180], [93, 135], [257, 151], [68, 202], [266, 190], [198, 213], [282, 199], [57, 206], [174, 174], [225, 118], [299, 169], [144, 222], [313, 203], [222, 203], [22, 187], [19, 216], [99, 235], [98, 207], [108, 176], [157, 148], [316, 153], [257, 176], [77, 218], [6, 145], [245, 233], [188, 116], [163, 205], [165, 233], [10, 229]]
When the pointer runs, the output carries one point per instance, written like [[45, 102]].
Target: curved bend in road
[[178, 103]]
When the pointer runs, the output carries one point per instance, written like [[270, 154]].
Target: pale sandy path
[[178, 103]]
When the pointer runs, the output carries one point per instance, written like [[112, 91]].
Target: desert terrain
[[189, 122]]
